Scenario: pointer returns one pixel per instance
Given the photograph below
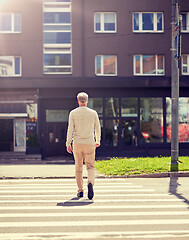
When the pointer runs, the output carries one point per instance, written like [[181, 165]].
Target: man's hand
[[97, 145], [69, 149]]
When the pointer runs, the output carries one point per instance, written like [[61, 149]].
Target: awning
[[13, 115]]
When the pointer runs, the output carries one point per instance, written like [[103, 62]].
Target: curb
[[151, 175]]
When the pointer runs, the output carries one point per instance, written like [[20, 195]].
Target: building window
[[10, 66], [185, 22], [57, 47], [112, 107], [148, 22], [185, 64], [10, 23], [149, 65], [183, 129], [129, 107], [97, 105], [151, 119], [105, 22], [106, 65]]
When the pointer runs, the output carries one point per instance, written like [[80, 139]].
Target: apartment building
[[116, 51]]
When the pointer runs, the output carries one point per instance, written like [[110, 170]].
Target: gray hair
[[82, 97]]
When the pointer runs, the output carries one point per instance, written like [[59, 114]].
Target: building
[[116, 51]]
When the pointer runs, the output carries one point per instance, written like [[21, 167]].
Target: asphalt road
[[121, 209]]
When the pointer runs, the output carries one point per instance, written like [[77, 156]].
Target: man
[[84, 132]]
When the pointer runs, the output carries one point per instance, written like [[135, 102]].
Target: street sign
[[177, 47]]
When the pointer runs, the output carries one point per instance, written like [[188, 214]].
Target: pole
[[174, 95]]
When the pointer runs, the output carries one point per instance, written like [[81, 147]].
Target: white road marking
[[64, 207], [88, 201], [96, 195], [71, 190], [92, 214], [92, 235], [94, 223]]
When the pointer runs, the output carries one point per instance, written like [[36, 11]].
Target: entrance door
[[56, 139], [20, 135], [129, 132], [6, 135]]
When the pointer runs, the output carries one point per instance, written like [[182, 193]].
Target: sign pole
[[175, 85]]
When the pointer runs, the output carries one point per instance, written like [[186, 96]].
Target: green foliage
[[128, 166]]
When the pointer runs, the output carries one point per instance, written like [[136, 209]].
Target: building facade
[[116, 51]]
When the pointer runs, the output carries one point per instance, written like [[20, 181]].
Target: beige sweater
[[83, 127]]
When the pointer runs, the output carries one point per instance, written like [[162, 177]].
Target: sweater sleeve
[[97, 129], [70, 130]]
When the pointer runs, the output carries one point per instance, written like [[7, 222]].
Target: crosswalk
[[121, 209]]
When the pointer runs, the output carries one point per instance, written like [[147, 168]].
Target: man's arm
[[97, 131], [70, 132]]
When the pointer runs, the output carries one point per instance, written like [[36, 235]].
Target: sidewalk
[[65, 171]]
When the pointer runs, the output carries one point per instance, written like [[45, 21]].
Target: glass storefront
[[183, 119], [151, 119], [134, 121]]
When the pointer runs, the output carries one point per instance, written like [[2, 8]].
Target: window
[[96, 104], [129, 107], [106, 65], [57, 62], [149, 65], [148, 22], [185, 22], [112, 107], [105, 22], [10, 66], [185, 64], [183, 129], [57, 49], [10, 23], [151, 119]]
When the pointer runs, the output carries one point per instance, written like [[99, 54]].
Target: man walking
[[84, 132]]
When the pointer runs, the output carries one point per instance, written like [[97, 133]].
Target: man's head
[[82, 98]]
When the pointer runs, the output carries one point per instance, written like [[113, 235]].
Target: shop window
[[148, 22], [151, 120], [112, 107], [183, 119], [106, 65], [129, 107], [96, 104], [105, 22], [10, 23], [10, 66], [185, 22], [111, 132], [185, 64], [149, 65]]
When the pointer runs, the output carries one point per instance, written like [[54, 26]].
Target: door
[[56, 139], [129, 132], [6, 135], [20, 135]]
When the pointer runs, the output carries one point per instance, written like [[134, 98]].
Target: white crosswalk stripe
[[49, 209]]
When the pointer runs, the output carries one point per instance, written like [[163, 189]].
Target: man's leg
[[78, 156], [89, 156]]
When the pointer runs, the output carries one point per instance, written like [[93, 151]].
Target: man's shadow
[[173, 189], [76, 202]]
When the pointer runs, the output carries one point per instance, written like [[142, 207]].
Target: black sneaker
[[80, 194], [90, 191]]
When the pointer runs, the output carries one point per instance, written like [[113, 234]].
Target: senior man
[[84, 132]]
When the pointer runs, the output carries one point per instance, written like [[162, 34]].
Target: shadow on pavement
[[173, 187], [76, 202]]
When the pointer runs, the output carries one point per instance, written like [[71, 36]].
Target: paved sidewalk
[[64, 171], [38, 171]]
